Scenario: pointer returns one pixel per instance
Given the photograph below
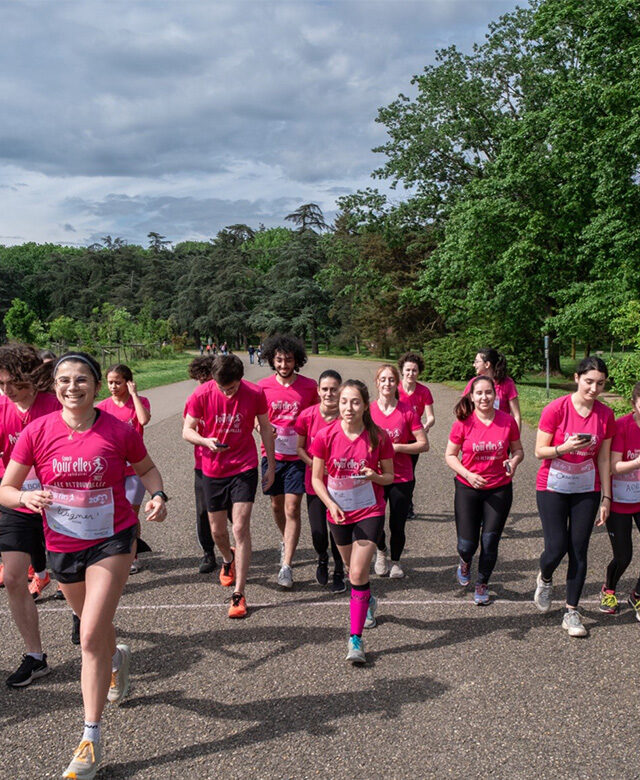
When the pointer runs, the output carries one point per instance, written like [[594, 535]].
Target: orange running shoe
[[228, 571], [31, 573], [238, 608], [37, 585]]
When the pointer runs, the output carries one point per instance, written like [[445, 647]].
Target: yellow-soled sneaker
[[85, 761]]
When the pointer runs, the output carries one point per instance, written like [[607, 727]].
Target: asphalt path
[[450, 690]]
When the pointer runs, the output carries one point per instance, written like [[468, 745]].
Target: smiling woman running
[[80, 455]]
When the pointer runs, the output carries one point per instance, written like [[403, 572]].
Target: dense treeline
[[521, 217]]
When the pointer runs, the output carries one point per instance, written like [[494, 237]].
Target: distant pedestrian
[[252, 351]]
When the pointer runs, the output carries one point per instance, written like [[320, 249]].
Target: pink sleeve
[[193, 406], [549, 419], [456, 436], [428, 398], [301, 425], [135, 451], [263, 407], [511, 391], [23, 451], [514, 433], [610, 427], [617, 445], [468, 387], [386, 447], [318, 448], [414, 421], [146, 403]]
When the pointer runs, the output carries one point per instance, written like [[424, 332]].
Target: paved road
[[451, 690]]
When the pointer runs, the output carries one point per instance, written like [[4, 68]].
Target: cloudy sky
[[183, 116]]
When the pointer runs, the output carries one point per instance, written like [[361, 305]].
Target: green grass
[[156, 372]]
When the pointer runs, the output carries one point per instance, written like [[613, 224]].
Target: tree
[[22, 323], [307, 217]]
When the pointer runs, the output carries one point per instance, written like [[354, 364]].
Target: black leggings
[[567, 523], [619, 526], [320, 535], [480, 519], [203, 527], [398, 496]]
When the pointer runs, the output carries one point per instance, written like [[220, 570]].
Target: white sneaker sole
[[575, 631]]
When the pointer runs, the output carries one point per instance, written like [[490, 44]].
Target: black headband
[[80, 358]]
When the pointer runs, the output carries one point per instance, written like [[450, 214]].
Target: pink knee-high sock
[[358, 606]]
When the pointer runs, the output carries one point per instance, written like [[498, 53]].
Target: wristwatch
[[162, 495]]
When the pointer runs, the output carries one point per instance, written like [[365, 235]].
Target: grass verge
[[156, 372]]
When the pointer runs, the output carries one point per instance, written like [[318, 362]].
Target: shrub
[[624, 372]]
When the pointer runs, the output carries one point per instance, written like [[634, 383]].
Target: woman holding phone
[[573, 487], [358, 458], [484, 451]]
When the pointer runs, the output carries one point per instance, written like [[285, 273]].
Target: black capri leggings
[[567, 523], [398, 496], [203, 527], [480, 519], [320, 536], [619, 526]]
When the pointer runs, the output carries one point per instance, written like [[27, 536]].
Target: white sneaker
[[285, 577], [355, 651], [370, 620], [119, 687], [572, 624], [543, 595], [85, 761], [381, 566], [396, 572]]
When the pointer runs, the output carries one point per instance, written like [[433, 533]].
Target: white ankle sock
[[91, 731], [41, 574], [37, 656]]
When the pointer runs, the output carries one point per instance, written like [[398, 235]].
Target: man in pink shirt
[[220, 417], [288, 393]]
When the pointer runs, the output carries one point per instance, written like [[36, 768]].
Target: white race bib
[[350, 494], [81, 514], [626, 487], [496, 403], [286, 441], [31, 482], [565, 477]]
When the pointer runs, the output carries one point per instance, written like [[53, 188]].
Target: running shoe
[[463, 573], [285, 576], [481, 595], [543, 594], [337, 584], [75, 629], [396, 572], [37, 585], [370, 620], [28, 671], [609, 604], [85, 761], [58, 595], [135, 566], [238, 608], [411, 513], [634, 601], [381, 566], [228, 571], [355, 650], [572, 623], [31, 573], [1, 575], [119, 687], [208, 564], [322, 571]]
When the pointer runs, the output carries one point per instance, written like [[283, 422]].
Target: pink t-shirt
[[285, 403], [343, 459], [420, 398], [230, 421], [308, 424], [484, 448], [626, 440], [399, 427], [90, 463], [13, 422], [505, 392], [126, 414], [575, 472]]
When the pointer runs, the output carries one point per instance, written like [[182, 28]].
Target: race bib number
[[31, 482], [565, 477], [81, 514], [626, 487], [351, 494], [286, 441]]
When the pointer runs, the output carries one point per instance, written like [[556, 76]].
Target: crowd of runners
[[75, 473]]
